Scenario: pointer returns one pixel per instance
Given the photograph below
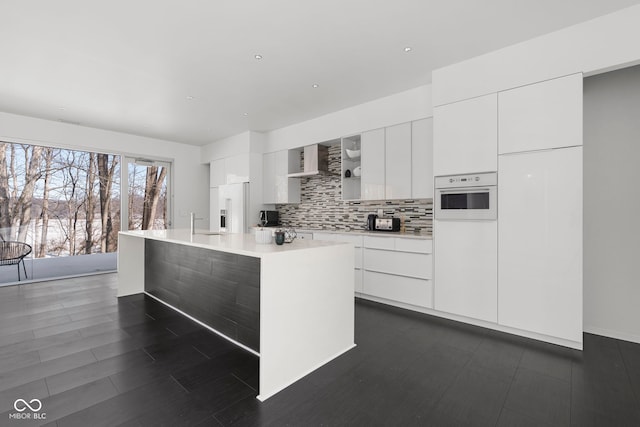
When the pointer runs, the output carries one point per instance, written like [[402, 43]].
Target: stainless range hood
[[316, 161]]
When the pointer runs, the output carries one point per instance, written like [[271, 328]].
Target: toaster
[[387, 224]]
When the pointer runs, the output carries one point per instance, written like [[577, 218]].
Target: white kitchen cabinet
[[373, 165], [217, 173], [354, 239], [541, 115], [230, 170], [540, 241], [214, 209], [399, 263], [422, 159], [276, 186], [398, 269], [237, 168], [304, 236], [403, 289], [351, 164], [398, 161], [466, 136], [269, 178], [466, 269]]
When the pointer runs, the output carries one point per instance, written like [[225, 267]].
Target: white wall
[[604, 43], [612, 203], [401, 107], [190, 178]]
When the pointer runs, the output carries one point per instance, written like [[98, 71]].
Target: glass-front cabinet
[[351, 167]]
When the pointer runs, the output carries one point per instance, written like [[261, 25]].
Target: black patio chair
[[13, 253]]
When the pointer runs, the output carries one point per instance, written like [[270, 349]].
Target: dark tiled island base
[[97, 360], [220, 289]]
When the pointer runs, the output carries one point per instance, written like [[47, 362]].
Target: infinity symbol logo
[[26, 405]]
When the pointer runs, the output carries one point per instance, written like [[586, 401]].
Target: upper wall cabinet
[[217, 173], [541, 116], [237, 168], [276, 186], [230, 170], [422, 159], [351, 167], [398, 161], [466, 136], [373, 165]]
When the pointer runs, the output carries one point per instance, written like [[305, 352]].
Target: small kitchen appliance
[[387, 224], [269, 218], [371, 222]]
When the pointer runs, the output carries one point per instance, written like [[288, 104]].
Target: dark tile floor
[[95, 360]]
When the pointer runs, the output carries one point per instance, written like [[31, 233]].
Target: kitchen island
[[291, 305]]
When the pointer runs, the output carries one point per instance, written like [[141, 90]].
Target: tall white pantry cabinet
[[540, 208]]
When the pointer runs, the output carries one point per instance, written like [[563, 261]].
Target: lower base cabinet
[[408, 290], [398, 269]]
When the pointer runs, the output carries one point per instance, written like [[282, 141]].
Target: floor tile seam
[[571, 396], [244, 382], [179, 383], [506, 396], [58, 295], [26, 317], [634, 390], [452, 382], [31, 328], [213, 414], [198, 350], [526, 369], [72, 329]]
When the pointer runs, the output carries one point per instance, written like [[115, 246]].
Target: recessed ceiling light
[[407, 49], [190, 98], [61, 108], [245, 114], [315, 85], [257, 56]]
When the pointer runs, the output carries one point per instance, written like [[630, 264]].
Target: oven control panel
[[467, 180]]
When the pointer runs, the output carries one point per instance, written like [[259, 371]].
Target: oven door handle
[[465, 190]]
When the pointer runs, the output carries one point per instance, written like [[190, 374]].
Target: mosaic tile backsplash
[[321, 205]]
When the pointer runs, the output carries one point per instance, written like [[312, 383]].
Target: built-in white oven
[[466, 197]]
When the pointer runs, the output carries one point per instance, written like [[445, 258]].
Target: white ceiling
[[131, 65]]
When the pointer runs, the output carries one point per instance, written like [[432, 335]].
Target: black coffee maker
[[371, 222]]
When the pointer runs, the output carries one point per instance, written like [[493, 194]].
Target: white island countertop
[[241, 244]]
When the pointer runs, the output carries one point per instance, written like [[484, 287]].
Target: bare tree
[[152, 191], [44, 214], [5, 196], [90, 204], [106, 173]]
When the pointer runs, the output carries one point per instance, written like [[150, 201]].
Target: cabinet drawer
[[422, 246], [397, 288], [356, 240], [304, 236], [402, 263], [379, 242], [358, 281]]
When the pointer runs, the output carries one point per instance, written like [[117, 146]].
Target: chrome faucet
[[193, 222]]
